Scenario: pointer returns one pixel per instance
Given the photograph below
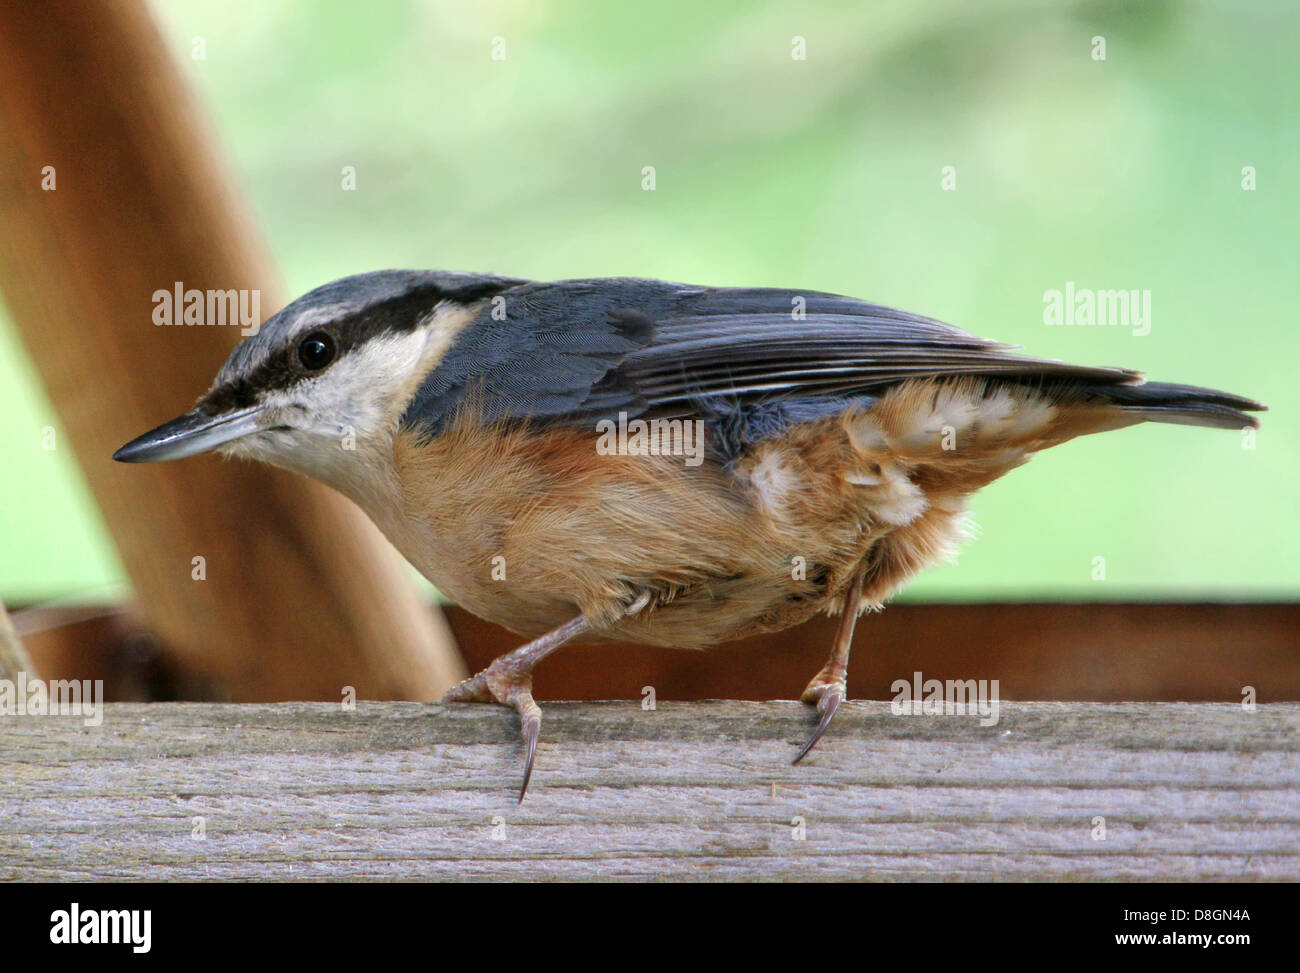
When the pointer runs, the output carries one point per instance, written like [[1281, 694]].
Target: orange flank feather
[[685, 556]]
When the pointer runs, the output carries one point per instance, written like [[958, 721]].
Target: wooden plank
[[688, 790], [113, 189]]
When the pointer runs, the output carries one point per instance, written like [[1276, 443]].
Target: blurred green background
[[822, 173]]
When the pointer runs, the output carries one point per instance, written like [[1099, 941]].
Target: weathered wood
[[112, 188], [700, 790]]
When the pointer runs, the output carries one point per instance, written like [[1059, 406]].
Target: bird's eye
[[316, 351]]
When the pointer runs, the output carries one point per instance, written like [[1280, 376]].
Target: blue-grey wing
[[584, 349]]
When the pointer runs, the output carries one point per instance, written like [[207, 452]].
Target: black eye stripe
[[283, 367]]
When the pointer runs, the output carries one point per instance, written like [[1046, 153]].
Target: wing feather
[[575, 350]]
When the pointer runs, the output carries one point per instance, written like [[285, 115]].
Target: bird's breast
[[529, 525]]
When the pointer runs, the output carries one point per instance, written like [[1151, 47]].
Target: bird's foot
[[510, 685], [826, 691]]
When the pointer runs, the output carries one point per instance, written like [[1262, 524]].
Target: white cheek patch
[[350, 396], [333, 423], [337, 418]]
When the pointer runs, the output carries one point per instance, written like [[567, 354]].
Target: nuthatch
[[650, 461]]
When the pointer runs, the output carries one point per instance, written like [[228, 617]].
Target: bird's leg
[[509, 681], [829, 687]]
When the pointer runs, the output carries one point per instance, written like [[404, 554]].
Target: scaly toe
[[509, 686], [471, 690]]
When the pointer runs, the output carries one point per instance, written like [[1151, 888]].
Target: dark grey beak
[[190, 434]]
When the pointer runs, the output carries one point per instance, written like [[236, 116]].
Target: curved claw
[[531, 731], [827, 705]]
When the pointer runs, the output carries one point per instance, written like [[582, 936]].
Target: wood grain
[[301, 595], [687, 791]]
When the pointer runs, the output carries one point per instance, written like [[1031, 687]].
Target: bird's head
[[331, 370]]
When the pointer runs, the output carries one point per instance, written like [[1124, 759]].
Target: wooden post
[[112, 188]]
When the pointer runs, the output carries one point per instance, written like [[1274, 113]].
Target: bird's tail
[[1187, 405]]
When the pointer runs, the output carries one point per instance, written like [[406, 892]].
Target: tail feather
[[1187, 405]]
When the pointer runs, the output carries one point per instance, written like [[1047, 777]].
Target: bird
[[642, 460]]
